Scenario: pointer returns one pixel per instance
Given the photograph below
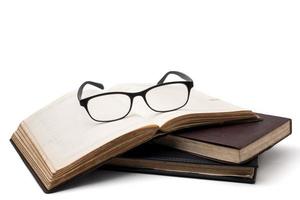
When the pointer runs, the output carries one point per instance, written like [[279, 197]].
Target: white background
[[245, 52]]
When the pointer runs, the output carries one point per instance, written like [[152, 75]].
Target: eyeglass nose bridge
[[141, 93]]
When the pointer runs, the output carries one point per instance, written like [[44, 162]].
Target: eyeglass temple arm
[[79, 93], [180, 74]]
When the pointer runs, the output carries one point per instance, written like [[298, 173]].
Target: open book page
[[198, 103], [63, 132]]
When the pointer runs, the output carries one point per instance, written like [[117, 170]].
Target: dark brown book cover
[[163, 156], [234, 136]]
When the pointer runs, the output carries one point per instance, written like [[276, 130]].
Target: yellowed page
[[198, 103], [64, 132]]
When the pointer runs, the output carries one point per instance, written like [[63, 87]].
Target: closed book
[[235, 143], [156, 159]]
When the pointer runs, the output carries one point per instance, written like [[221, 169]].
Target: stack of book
[[208, 138]]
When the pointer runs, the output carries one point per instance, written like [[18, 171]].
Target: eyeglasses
[[162, 97]]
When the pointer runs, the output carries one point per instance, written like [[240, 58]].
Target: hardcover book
[[157, 159], [60, 141], [234, 143]]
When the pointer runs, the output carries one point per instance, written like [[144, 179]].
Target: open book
[[60, 141]]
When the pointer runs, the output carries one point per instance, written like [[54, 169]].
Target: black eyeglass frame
[[188, 82]]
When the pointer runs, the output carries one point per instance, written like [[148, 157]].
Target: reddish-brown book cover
[[265, 133]]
